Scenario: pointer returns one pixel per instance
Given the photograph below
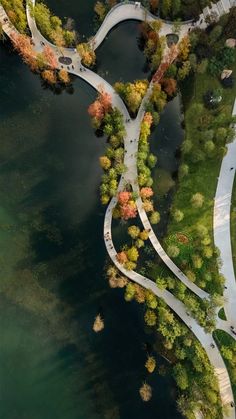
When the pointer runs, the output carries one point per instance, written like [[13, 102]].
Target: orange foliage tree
[[49, 76], [146, 193], [169, 85], [22, 43], [100, 106], [50, 57]]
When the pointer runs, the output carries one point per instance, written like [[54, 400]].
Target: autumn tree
[[63, 76], [98, 325], [184, 48], [49, 76], [22, 43], [105, 162], [50, 57], [145, 392], [100, 10], [146, 193], [150, 364], [155, 217], [169, 86], [134, 231], [87, 54]]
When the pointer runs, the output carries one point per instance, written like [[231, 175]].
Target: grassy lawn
[[223, 339], [202, 176], [233, 225]]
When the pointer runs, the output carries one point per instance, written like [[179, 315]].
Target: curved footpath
[[131, 145], [221, 222], [116, 15], [179, 308]]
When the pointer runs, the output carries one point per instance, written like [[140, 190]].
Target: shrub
[[197, 200]]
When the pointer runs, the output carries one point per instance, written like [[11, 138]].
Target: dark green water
[[52, 365]]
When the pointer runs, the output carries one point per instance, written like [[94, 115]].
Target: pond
[[52, 365]]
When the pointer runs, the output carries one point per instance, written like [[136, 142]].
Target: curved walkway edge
[[221, 223]]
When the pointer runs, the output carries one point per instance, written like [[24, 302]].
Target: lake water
[[52, 365]]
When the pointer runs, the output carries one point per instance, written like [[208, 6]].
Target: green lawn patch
[[203, 170], [224, 340]]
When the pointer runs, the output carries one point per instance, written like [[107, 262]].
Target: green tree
[[181, 376], [173, 251], [197, 200]]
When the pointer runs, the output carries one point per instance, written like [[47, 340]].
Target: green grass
[[221, 314], [223, 339], [203, 175], [233, 225]]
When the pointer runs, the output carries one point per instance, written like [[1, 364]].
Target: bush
[[197, 200]]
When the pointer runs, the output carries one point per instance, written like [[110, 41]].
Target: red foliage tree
[[128, 210], [169, 86], [96, 110], [105, 100], [101, 106], [124, 197]]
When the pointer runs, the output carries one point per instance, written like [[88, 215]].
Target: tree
[[150, 318], [144, 235], [146, 193], [49, 76], [177, 215], [181, 376], [101, 106], [122, 257], [151, 299], [100, 10], [197, 200], [132, 254], [209, 147], [128, 210], [169, 85], [148, 206], [161, 283], [186, 146], [173, 251], [64, 76], [96, 110], [145, 392], [129, 291], [50, 57], [87, 54], [23, 45], [183, 48], [105, 162], [227, 353], [134, 231], [184, 71], [98, 325], [150, 364], [155, 217], [154, 5], [183, 170]]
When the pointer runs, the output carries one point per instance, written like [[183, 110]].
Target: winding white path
[[222, 236], [118, 14]]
